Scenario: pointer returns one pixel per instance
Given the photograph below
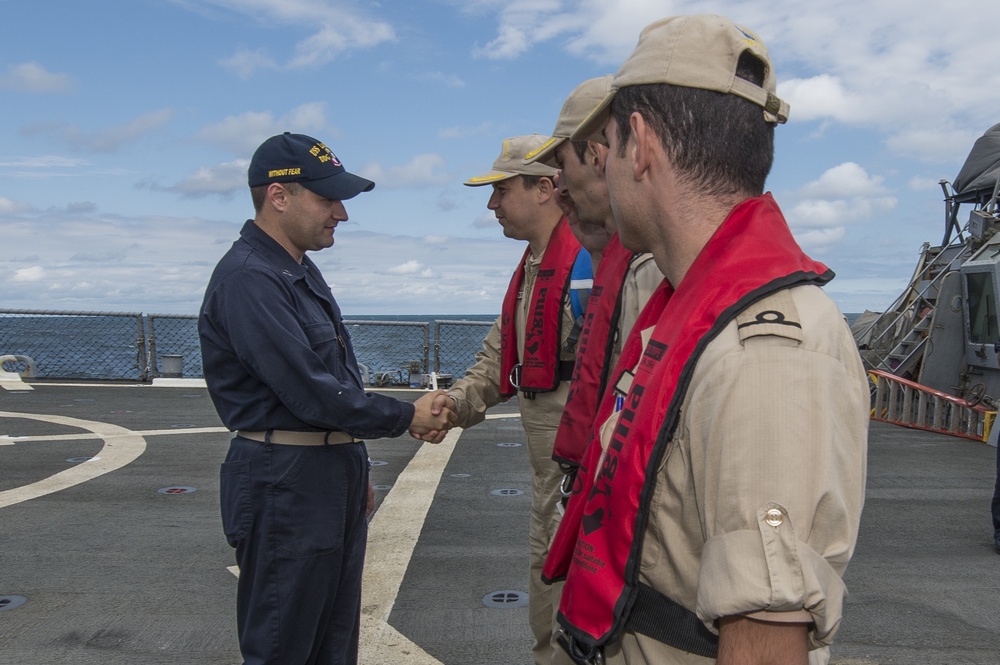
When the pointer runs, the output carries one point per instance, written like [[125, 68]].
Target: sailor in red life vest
[[528, 352], [720, 502], [623, 279]]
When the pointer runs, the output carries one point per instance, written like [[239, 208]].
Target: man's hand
[[433, 417]]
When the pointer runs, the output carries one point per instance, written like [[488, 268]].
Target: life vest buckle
[[515, 376], [594, 655], [515, 380]]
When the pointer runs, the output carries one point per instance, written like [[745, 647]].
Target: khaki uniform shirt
[[759, 495], [479, 389], [642, 278]]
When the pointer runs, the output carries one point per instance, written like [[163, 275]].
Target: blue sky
[[128, 126]]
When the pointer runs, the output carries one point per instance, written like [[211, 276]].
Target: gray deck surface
[[116, 572]]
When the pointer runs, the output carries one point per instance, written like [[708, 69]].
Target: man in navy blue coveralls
[[282, 374]]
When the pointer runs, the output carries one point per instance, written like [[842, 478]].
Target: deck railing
[[902, 402], [139, 347]]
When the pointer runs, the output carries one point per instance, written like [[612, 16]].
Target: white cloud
[[162, 264], [241, 134], [820, 240], [933, 142], [600, 30], [244, 62], [32, 274], [341, 33], [408, 268], [844, 194], [420, 171], [465, 132], [822, 96], [8, 206], [487, 220], [847, 179], [450, 80], [33, 77], [337, 28], [223, 180], [112, 139], [42, 162], [465, 276], [918, 76], [922, 183]]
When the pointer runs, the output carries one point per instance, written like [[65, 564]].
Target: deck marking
[[392, 536], [7, 440], [121, 446]]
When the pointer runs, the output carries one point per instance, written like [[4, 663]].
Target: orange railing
[[902, 402]]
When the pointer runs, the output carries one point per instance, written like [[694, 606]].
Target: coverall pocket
[[319, 334], [310, 503], [237, 509]]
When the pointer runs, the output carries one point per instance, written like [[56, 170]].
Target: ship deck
[[112, 550]]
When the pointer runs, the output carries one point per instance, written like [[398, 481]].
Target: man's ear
[[546, 188], [641, 145], [277, 196], [596, 157]]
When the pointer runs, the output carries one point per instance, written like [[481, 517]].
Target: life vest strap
[[656, 616]]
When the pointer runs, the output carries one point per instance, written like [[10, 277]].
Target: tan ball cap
[[698, 51], [584, 99], [510, 163]]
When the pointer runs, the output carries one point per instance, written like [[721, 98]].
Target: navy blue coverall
[[277, 356]]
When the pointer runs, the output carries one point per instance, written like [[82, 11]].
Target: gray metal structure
[[943, 331]]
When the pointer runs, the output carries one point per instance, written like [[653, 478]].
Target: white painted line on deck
[[7, 440], [392, 536], [121, 446]]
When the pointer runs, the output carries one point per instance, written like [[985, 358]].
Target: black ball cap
[[299, 158]]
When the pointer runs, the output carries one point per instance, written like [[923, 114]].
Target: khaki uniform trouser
[[543, 599]]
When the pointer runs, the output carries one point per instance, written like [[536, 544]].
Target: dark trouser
[[296, 516], [996, 505]]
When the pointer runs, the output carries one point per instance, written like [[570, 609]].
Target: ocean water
[[133, 347]]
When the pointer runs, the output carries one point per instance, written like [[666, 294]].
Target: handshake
[[435, 414]]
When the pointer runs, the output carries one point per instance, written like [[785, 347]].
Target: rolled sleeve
[[777, 440]]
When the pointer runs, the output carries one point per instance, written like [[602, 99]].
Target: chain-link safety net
[[136, 346], [174, 351], [456, 344], [73, 345]]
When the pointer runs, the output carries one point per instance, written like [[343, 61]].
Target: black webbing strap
[[654, 615], [574, 335]]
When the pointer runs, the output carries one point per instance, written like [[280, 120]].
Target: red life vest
[[598, 546], [596, 339], [542, 330]]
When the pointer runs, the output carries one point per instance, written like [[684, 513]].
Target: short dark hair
[[258, 194], [531, 181], [718, 142], [580, 148]]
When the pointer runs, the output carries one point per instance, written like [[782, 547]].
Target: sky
[[128, 125]]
